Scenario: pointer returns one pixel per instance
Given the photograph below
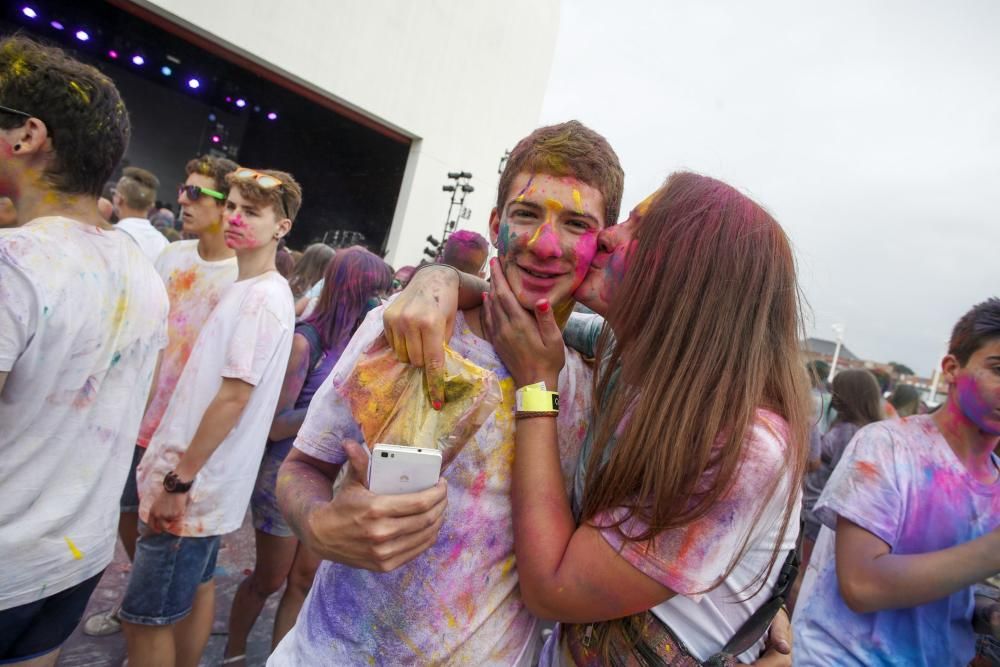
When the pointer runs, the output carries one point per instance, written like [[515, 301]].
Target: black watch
[[173, 484]]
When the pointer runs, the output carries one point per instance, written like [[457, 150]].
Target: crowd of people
[[659, 478]]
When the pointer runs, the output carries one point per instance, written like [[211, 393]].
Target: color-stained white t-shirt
[[899, 480], [693, 558], [82, 320], [148, 237], [248, 337], [458, 603], [194, 287]]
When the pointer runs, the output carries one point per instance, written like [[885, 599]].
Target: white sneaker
[[103, 624]]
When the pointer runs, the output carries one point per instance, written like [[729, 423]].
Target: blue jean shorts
[[165, 576]]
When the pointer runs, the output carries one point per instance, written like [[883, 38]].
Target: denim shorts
[[165, 576], [267, 516], [36, 628], [130, 494]]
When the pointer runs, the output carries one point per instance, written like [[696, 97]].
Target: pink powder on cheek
[[585, 249], [974, 406]]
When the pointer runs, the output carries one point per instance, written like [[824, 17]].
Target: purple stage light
[[272, 116], [57, 25], [138, 60], [228, 98], [240, 102], [82, 35], [216, 139], [194, 84], [113, 54], [29, 12]]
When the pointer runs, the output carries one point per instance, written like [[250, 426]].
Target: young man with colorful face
[[196, 272], [199, 469], [430, 578], [911, 516], [82, 321], [134, 195]]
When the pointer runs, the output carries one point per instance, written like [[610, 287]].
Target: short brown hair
[[138, 188], [216, 168], [81, 109], [568, 149], [286, 197], [977, 327]]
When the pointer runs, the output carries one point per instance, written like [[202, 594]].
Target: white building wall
[[464, 78]]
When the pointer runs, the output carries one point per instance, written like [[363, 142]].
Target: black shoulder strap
[[756, 626], [315, 344]]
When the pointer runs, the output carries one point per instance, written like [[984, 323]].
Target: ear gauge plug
[[17, 147]]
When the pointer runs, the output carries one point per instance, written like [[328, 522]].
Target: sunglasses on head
[[193, 192], [264, 181]]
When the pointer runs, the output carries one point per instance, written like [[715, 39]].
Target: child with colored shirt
[[910, 524], [198, 472]]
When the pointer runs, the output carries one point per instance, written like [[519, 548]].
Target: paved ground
[[235, 557]]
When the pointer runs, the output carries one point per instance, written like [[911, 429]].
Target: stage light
[[211, 117], [57, 25], [138, 60], [29, 12], [113, 54], [216, 139], [194, 84], [166, 71], [228, 98], [272, 116], [82, 35], [240, 102], [256, 108]]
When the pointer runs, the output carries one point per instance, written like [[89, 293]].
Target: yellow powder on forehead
[[553, 204], [577, 201]]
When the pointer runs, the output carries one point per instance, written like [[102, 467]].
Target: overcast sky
[[871, 130]]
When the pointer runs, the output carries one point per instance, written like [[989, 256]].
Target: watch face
[[170, 482]]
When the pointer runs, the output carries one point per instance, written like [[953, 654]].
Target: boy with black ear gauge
[[198, 472], [82, 322]]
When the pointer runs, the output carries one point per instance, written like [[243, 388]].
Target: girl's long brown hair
[[705, 334], [857, 398]]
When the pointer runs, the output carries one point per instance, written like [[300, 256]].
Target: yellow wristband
[[535, 398]]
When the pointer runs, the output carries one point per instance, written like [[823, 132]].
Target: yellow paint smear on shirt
[[77, 554]]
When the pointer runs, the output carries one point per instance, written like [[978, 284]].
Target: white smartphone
[[395, 469]]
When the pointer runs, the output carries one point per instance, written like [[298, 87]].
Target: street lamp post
[[839, 330]]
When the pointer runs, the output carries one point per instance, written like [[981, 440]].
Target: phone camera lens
[[385, 455]]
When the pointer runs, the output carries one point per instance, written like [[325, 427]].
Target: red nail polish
[[437, 405], [544, 306]]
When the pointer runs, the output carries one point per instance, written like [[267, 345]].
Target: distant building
[[823, 350]]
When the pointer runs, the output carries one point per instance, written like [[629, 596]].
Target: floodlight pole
[[839, 330]]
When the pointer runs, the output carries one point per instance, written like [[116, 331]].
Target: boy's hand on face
[[372, 532], [419, 322]]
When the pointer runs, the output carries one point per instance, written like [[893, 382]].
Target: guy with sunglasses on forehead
[[198, 471], [82, 321], [196, 273]]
